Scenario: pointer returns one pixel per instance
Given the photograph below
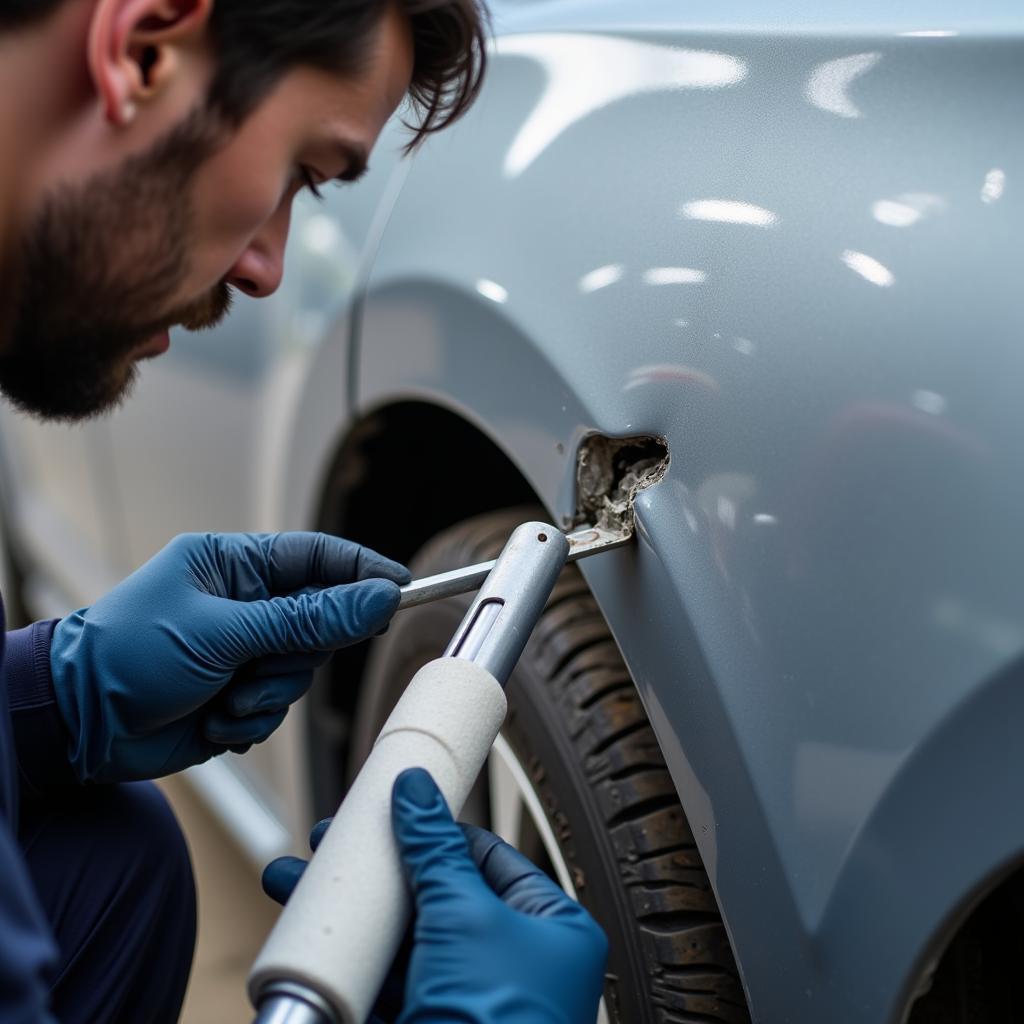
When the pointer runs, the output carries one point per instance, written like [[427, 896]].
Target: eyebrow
[[356, 160]]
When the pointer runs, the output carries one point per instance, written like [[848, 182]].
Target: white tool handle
[[346, 918]]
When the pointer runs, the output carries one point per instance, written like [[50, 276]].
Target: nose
[[260, 268]]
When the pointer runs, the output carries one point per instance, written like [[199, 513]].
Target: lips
[[155, 346]]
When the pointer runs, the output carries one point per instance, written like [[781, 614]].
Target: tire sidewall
[[537, 729]]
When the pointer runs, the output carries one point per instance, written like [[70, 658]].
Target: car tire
[[582, 740]]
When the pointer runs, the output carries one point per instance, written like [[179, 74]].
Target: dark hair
[[258, 41]]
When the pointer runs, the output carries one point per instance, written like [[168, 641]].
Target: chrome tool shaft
[[588, 541]]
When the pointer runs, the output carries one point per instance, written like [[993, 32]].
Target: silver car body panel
[[793, 255], [787, 243]]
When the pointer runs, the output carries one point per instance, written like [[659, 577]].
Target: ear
[[135, 48]]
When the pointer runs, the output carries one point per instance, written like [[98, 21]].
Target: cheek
[[231, 207]]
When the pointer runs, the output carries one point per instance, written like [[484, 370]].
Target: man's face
[[107, 264]]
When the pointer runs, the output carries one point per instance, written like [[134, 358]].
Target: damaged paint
[[610, 472]]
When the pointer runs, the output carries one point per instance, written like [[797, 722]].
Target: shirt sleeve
[[40, 736]]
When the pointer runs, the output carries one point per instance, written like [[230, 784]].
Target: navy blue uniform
[[97, 904]]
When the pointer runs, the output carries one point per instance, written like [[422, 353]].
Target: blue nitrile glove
[[495, 941], [206, 646], [282, 875], [279, 880]]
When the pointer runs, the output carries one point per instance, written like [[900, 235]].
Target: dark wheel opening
[[389, 489], [578, 782], [975, 981]]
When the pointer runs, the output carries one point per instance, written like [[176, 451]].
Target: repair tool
[[463, 581], [336, 939]]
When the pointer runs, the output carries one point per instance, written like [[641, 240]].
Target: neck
[[30, 61], [17, 140], [18, 150], [41, 68]]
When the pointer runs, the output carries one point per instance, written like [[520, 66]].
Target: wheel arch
[[981, 932], [370, 495], [973, 759]]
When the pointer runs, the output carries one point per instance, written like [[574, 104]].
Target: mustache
[[206, 312]]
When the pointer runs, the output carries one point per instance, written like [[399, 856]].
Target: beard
[[95, 273]]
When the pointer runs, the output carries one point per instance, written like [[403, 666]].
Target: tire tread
[[692, 973]]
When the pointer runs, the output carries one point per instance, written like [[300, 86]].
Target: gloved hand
[[279, 880], [206, 646], [282, 875], [494, 939]]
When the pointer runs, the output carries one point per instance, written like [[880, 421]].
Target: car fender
[[766, 249]]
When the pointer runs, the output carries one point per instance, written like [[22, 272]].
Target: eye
[[309, 180]]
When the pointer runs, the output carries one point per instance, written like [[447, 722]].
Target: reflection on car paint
[[579, 83], [869, 268], [830, 83], [729, 211]]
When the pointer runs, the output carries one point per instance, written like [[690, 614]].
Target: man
[[151, 152]]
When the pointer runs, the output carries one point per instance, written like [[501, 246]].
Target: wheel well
[[408, 471], [404, 473], [976, 976]]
